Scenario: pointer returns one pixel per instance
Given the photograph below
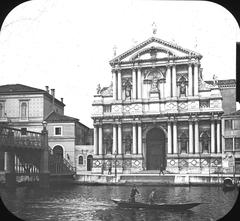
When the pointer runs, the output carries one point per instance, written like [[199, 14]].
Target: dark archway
[[58, 152], [89, 162], [156, 155]]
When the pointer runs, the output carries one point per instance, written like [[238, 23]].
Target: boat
[[164, 206], [228, 184]]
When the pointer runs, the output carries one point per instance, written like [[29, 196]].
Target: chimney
[[53, 99], [47, 88], [62, 99]]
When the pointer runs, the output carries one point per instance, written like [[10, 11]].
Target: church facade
[[158, 113]]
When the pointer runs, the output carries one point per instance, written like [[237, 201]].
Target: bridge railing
[[19, 138]]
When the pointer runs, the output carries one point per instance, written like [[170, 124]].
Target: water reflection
[[94, 203]]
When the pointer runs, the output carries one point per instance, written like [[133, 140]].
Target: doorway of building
[[89, 162], [58, 152], [156, 157]]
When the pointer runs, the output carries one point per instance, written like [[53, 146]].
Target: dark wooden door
[[155, 149]]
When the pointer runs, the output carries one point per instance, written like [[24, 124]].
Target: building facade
[[26, 108], [157, 113], [231, 142]]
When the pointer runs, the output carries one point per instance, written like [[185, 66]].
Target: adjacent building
[[26, 108], [158, 112], [231, 142]]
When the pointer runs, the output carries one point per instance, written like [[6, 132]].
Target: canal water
[[78, 202]]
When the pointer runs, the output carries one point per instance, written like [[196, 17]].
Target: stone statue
[[215, 80], [98, 89], [154, 28], [128, 144], [154, 86], [182, 88], [128, 88]]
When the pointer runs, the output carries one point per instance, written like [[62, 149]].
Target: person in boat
[[133, 193], [152, 196]]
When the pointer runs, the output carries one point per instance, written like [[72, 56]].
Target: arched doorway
[[89, 162], [155, 140], [58, 152]]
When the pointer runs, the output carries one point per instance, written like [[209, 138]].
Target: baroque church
[[157, 113]]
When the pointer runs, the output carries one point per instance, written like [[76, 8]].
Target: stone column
[[100, 149], [114, 150], [196, 78], [169, 137], [218, 137], [139, 79], [119, 139], [134, 140], [212, 136], [190, 136], [95, 139], [168, 81], [175, 148], [196, 137], [134, 84], [44, 168], [139, 139], [190, 86], [119, 85], [114, 85], [174, 86]]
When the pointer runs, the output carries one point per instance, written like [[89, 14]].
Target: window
[[58, 131], [23, 110], [228, 124], [107, 108], [228, 143], [237, 143], [236, 124], [1, 110], [80, 160]]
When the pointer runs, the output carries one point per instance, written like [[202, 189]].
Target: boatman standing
[[152, 196], [133, 193]]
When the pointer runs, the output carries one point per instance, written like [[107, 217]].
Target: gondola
[[164, 206], [228, 184]]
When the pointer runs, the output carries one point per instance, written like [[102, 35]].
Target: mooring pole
[[10, 175], [44, 170]]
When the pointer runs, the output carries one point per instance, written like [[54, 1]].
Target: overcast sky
[[67, 44]]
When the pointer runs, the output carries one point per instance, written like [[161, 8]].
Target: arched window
[[23, 110], [58, 152], [183, 143], [80, 160]]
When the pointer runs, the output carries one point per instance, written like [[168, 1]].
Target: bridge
[[27, 153]]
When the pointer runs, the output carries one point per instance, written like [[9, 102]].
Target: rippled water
[[88, 203]]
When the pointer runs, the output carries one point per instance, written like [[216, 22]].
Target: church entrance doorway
[[156, 156]]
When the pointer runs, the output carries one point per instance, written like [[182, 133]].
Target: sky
[[67, 44]]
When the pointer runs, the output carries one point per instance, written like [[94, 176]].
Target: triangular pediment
[[154, 48]]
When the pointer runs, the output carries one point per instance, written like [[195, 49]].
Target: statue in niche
[[108, 145], [205, 142], [182, 88], [128, 88], [183, 143], [154, 86], [128, 144]]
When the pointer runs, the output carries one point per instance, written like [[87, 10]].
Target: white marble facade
[[157, 112]]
